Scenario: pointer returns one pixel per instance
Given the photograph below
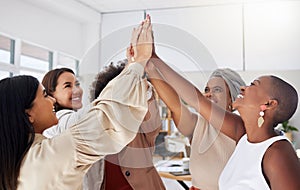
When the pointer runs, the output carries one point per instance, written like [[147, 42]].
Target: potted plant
[[288, 129]]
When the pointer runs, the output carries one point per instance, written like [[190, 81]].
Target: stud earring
[[261, 120]]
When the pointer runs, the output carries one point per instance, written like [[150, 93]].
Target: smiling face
[[255, 95], [68, 92], [218, 92], [42, 114]]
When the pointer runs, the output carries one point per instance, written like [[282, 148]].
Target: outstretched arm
[[230, 124], [184, 119], [119, 110]]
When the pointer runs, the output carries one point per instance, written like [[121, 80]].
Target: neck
[[257, 134]]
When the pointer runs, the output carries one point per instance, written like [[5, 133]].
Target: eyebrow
[[67, 83]]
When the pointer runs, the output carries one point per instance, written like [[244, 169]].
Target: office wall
[[64, 26], [253, 38], [48, 28]]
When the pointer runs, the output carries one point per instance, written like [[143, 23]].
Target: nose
[[207, 94], [242, 88]]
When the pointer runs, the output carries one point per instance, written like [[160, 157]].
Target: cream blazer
[[60, 163]]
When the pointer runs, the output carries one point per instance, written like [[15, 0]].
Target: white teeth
[[240, 96], [75, 99]]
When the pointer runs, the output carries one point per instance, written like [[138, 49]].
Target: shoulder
[[281, 165], [279, 152]]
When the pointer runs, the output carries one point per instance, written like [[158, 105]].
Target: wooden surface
[[171, 176]]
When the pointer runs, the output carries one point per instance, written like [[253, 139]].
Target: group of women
[[47, 142]]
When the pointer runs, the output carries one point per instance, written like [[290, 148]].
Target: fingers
[[145, 35], [147, 23], [142, 31]]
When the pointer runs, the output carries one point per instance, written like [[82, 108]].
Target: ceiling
[[109, 6], [81, 9]]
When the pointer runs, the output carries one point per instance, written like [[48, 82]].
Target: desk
[[179, 179], [166, 167]]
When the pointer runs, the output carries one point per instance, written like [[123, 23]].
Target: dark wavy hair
[[50, 82], [104, 77], [16, 131]]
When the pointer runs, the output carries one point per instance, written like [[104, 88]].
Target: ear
[[272, 104], [31, 119]]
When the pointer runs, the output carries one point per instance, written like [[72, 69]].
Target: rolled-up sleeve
[[114, 119]]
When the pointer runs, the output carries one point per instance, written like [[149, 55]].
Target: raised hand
[[141, 42]]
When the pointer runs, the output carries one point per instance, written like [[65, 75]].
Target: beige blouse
[[61, 162], [210, 151]]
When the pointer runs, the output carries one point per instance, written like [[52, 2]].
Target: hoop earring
[[261, 120]]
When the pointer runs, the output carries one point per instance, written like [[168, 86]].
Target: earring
[[230, 107], [261, 120]]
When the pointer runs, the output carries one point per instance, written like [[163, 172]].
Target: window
[[67, 61], [6, 46], [24, 58], [33, 57]]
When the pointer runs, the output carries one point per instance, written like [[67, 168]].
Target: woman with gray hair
[[210, 149]]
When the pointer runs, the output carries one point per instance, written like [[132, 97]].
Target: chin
[[77, 107], [55, 122]]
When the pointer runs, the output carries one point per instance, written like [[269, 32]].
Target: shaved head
[[287, 98]]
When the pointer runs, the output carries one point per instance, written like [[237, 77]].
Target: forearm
[[184, 120]]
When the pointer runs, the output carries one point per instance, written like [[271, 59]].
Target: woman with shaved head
[[262, 159]]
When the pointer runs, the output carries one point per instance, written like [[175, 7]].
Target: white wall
[[206, 32], [272, 40], [47, 28], [116, 32], [64, 26]]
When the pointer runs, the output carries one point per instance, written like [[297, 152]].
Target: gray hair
[[232, 79]]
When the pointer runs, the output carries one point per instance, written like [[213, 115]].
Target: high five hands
[[141, 46]]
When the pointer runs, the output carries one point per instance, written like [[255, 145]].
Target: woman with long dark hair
[[28, 160], [17, 132]]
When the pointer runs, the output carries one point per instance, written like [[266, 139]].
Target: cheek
[[222, 98], [81, 91], [64, 96]]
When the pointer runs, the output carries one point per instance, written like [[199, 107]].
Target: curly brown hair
[[105, 76]]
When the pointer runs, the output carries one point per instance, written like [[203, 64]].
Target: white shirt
[[244, 169]]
